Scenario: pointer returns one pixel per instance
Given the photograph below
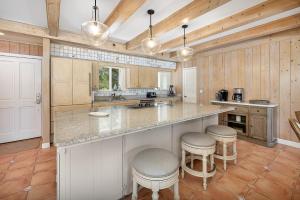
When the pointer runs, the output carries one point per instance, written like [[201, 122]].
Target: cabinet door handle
[[90, 84]]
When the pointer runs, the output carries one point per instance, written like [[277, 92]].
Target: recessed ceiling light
[[1, 33]]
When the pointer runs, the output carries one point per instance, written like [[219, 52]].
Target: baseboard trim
[[289, 143], [45, 145]]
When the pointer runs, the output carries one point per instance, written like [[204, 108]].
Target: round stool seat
[[220, 130], [155, 163], [198, 139]]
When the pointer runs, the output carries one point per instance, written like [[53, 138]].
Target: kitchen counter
[[76, 127], [98, 152], [244, 104]]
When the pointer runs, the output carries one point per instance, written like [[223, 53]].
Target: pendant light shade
[[151, 45], [185, 53], [93, 30]]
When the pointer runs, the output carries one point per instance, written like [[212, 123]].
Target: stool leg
[[182, 162], [134, 190], [235, 152], [176, 191], [224, 154], [212, 161], [192, 161], [204, 169], [155, 195]]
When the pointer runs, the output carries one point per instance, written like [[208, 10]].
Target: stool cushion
[[155, 163], [198, 139], [221, 130]]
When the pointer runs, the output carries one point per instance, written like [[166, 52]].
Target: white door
[[20, 95], [189, 85]]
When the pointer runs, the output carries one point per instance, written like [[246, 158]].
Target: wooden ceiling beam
[[53, 13], [122, 12], [260, 11], [188, 12], [252, 33]]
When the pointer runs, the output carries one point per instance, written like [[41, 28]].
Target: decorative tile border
[[133, 92], [90, 54]]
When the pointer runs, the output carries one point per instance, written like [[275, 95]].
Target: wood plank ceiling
[[212, 23]]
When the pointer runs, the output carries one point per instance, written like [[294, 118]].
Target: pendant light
[[93, 30], [150, 45], [185, 53]]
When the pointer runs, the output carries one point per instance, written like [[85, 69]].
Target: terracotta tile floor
[[261, 174]]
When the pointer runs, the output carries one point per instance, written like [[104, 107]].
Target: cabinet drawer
[[239, 109], [261, 111]]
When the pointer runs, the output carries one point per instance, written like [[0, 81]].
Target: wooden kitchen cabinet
[[141, 77], [132, 77], [82, 81], [148, 77], [61, 81], [258, 126], [70, 81]]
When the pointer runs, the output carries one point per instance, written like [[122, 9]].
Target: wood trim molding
[[195, 9], [121, 13], [252, 33], [69, 37], [46, 91], [260, 11]]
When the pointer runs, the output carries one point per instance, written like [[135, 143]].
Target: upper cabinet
[[132, 77], [71, 81], [148, 77], [141, 77], [61, 81]]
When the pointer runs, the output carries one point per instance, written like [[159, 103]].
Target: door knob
[[38, 98]]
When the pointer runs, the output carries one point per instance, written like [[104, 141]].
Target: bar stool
[[201, 146], [225, 135], [155, 169]]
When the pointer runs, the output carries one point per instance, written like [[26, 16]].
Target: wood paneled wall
[[268, 68], [20, 48]]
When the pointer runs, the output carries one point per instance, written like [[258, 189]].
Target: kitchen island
[[94, 154]]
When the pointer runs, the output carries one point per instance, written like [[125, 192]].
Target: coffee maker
[[238, 94], [171, 91], [222, 95]]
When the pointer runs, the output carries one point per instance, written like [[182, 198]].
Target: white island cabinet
[[95, 154]]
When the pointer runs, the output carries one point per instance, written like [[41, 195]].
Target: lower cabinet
[[258, 126]]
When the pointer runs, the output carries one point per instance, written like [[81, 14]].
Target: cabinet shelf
[[235, 122]]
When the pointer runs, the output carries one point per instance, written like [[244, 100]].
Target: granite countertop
[[271, 105], [76, 127]]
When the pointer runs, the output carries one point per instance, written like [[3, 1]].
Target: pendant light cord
[[184, 37], [150, 25], [95, 8]]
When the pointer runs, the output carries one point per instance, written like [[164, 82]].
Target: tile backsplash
[[132, 92], [105, 56]]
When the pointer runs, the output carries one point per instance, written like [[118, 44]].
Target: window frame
[[121, 76], [159, 79]]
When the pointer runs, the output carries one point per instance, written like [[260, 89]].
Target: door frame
[[39, 58], [183, 80]]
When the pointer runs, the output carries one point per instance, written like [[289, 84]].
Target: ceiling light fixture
[[93, 30], [185, 53], [151, 45], [1, 33]]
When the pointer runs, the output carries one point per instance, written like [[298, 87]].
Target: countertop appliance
[[238, 94], [143, 103], [151, 95], [171, 91], [222, 95]]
